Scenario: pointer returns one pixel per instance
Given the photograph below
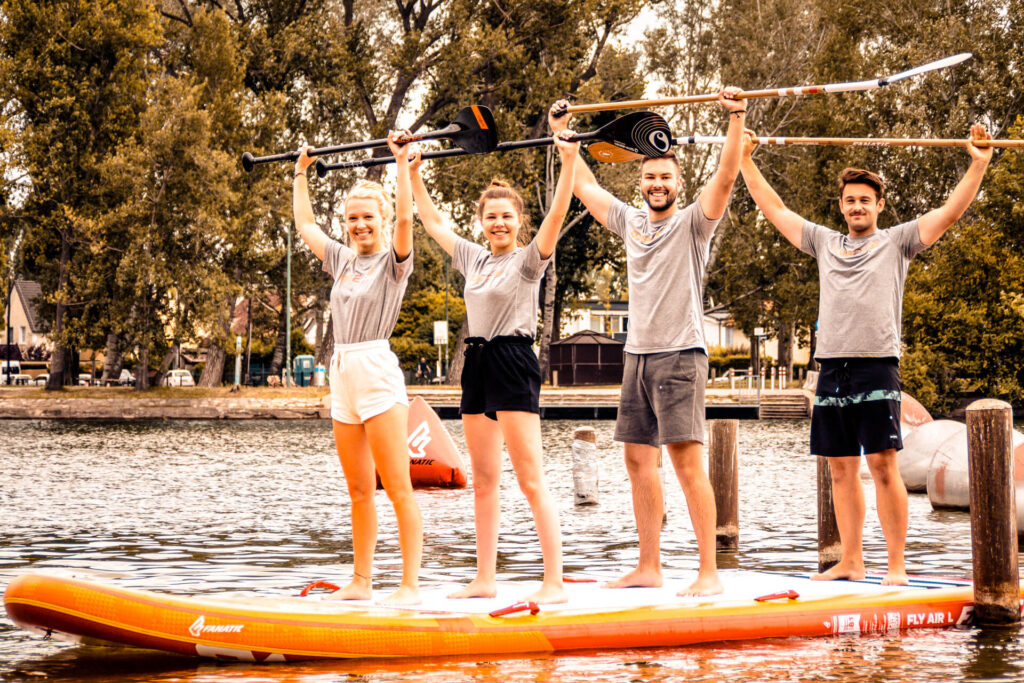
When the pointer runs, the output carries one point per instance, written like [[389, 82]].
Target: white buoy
[[919, 448], [584, 466], [948, 478]]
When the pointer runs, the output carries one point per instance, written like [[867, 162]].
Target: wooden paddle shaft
[[893, 142]]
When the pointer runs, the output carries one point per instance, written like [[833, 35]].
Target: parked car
[[84, 379], [179, 378], [41, 380], [126, 378], [21, 380], [14, 370]]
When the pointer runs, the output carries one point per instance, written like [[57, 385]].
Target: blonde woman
[[369, 406], [501, 377]]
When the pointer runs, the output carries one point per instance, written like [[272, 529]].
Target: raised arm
[[715, 195], [547, 234], [788, 223], [933, 224], [302, 209], [402, 241], [429, 215], [585, 186]]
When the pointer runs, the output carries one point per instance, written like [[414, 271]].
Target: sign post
[[441, 340]]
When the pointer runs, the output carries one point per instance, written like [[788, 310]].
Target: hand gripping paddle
[[472, 129], [627, 138]]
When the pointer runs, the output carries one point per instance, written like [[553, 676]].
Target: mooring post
[[584, 466], [724, 475], [993, 512], [829, 547]]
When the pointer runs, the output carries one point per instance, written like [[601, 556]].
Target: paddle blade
[[610, 154], [641, 132], [479, 133], [931, 66], [248, 162]]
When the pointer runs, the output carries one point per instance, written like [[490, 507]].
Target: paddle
[[774, 92], [472, 129], [628, 137], [894, 142]]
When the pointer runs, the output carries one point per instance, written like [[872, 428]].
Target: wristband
[[299, 173], [738, 111]]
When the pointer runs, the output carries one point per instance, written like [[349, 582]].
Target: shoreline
[[256, 403]]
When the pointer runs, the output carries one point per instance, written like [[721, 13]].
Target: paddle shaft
[[351, 146], [445, 153], [775, 92], [893, 142]]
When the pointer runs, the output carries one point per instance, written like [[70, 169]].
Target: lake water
[[202, 507]]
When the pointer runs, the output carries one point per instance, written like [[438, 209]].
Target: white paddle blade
[[931, 66]]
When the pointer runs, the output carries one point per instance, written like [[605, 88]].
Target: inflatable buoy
[[919, 448], [912, 413], [434, 460], [948, 476]]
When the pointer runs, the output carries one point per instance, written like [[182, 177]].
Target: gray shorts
[[662, 398]]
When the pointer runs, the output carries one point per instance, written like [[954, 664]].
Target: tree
[[74, 74]]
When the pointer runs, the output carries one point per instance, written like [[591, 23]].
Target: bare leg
[[386, 434], [522, 436], [688, 460], [891, 499], [648, 509], [356, 463], [848, 499], [483, 439]]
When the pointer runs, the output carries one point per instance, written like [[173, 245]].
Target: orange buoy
[[434, 460], [912, 413]]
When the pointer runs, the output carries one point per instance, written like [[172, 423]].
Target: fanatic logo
[[659, 140], [418, 440], [199, 627]]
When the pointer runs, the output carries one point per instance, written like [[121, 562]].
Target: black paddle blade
[[479, 133], [643, 132], [248, 162]]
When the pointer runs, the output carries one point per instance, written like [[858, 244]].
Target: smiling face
[[501, 222], [659, 184], [860, 205], [364, 224]]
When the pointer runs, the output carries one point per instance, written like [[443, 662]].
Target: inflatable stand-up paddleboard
[[434, 460], [754, 605]]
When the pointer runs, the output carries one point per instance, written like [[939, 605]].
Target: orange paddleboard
[[434, 460]]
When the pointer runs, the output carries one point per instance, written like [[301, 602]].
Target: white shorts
[[366, 381]]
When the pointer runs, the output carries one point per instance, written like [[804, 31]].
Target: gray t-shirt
[[367, 293], [861, 302], [501, 291], [665, 267]]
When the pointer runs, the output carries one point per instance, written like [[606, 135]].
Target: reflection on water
[[199, 507]]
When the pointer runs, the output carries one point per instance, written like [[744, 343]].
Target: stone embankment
[[314, 403]]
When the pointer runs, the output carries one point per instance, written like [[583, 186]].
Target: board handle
[[533, 607]]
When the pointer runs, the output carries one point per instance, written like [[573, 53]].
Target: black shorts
[[500, 374], [856, 407]]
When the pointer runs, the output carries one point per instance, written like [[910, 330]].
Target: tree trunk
[[326, 346], [142, 372], [547, 328], [165, 364], [114, 360], [458, 357], [60, 365], [213, 370]]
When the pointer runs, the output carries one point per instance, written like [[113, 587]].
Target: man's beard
[[668, 200]]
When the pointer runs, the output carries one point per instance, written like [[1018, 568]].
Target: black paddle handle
[[323, 168], [248, 160]]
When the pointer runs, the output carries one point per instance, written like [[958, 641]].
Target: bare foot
[[405, 595], [548, 595], [357, 589], [704, 585], [848, 572], [477, 588], [638, 578], [895, 578]]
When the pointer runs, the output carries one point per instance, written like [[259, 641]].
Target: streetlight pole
[[288, 314], [10, 331]]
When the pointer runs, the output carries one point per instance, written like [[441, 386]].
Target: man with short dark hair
[[666, 362], [857, 404]]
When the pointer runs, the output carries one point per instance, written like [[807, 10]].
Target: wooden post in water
[[724, 475], [829, 548], [993, 512]]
